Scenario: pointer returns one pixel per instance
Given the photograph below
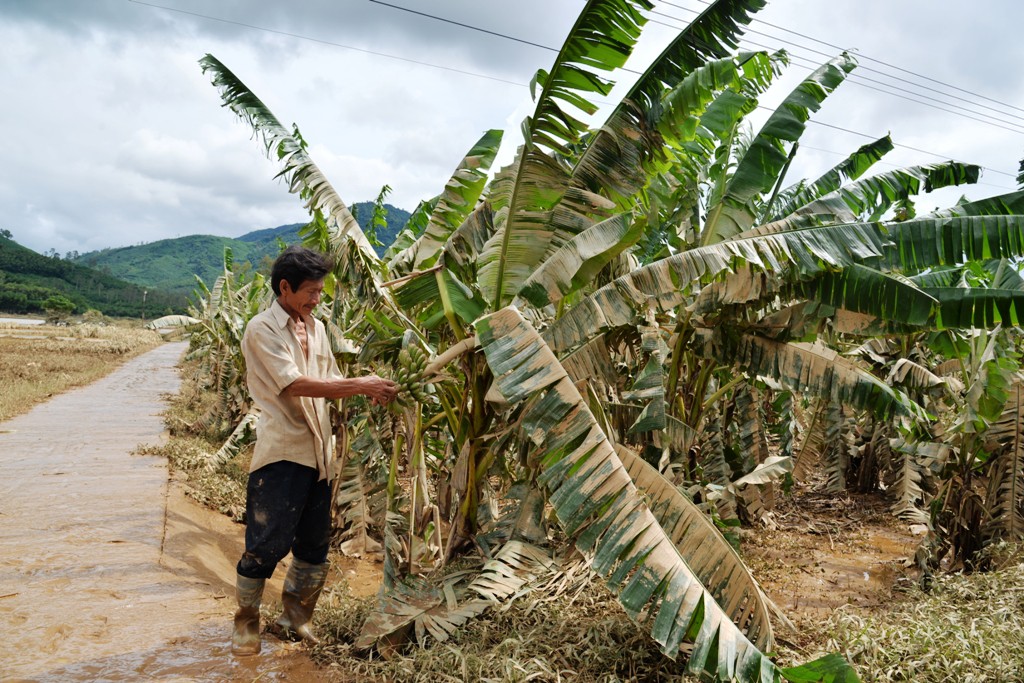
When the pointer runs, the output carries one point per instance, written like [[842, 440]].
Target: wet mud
[[107, 572]]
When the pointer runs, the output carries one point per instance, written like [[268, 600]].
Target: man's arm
[[377, 388]]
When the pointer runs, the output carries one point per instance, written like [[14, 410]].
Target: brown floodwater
[[107, 573]]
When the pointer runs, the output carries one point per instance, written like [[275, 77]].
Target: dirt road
[[106, 572]]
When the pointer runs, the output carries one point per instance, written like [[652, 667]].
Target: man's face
[[303, 300]]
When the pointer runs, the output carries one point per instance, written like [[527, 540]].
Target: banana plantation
[[634, 338]]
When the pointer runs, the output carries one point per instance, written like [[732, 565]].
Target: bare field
[[39, 361]]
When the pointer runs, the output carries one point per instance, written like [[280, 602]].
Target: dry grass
[[967, 628], [40, 361]]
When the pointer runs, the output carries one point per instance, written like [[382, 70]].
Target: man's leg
[[308, 570], [275, 500]]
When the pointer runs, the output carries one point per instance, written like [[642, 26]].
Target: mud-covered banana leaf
[[907, 373], [804, 253], [579, 261], [242, 434], [912, 462], [440, 612], [172, 321], [598, 504], [667, 282], [704, 549], [1005, 438]]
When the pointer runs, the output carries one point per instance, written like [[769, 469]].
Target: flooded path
[[106, 572]]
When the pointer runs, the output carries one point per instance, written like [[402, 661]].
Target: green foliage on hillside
[[172, 264], [28, 280]]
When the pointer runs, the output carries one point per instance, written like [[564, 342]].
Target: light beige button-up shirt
[[294, 428]]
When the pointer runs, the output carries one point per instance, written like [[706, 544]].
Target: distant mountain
[[172, 264], [27, 279]]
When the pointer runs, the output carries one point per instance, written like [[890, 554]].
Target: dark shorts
[[286, 508]]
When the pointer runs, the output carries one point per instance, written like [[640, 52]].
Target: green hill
[[172, 264], [27, 279]]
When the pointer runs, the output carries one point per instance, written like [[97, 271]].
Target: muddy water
[[106, 573]]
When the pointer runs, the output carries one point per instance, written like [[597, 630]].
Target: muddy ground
[[108, 572]]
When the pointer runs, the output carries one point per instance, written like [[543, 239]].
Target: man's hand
[[382, 391]]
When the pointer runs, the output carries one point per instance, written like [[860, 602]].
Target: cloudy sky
[[115, 137]]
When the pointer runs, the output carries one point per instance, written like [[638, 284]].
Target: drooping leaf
[[298, 169], [912, 463], [172, 321], [597, 503], [465, 303], [867, 290], [960, 307], [361, 500], [907, 245], [579, 261], [1005, 438], [428, 611], [242, 434], [711, 557], [811, 368]]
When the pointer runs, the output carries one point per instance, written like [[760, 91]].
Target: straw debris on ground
[[967, 628]]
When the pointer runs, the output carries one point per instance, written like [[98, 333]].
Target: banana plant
[[739, 275]]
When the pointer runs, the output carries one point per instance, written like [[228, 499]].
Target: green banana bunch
[[412, 360]]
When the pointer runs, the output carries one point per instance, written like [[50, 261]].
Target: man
[[291, 370]]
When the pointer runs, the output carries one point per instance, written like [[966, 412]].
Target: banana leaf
[[598, 504]]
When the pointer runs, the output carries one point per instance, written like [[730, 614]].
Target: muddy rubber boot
[[245, 638], [302, 586]]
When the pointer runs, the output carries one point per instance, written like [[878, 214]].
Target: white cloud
[[116, 137]]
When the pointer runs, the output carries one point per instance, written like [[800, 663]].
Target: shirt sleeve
[[268, 355]]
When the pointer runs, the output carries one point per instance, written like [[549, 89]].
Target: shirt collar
[[281, 317]]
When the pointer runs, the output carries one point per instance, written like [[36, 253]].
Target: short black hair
[[296, 265]]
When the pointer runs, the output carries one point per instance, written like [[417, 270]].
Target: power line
[[478, 29], [515, 39], [873, 59], [862, 81], [469, 26], [674, 18], [328, 42], [861, 68], [474, 74]]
